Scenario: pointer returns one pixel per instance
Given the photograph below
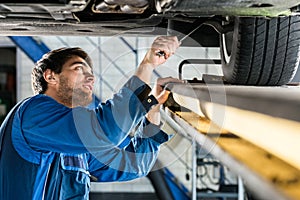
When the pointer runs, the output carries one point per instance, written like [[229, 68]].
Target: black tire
[[261, 51]]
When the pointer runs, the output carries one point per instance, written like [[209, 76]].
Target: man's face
[[76, 82]]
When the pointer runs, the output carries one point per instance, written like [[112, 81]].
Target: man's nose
[[90, 77]]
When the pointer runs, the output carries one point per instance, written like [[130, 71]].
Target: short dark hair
[[54, 60]]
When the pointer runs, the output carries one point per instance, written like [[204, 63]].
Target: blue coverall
[[50, 151]]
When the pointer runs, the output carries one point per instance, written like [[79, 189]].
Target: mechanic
[[53, 144]]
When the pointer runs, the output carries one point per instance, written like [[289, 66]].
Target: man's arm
[[49, 126], [138, 157], [168, 45], [133, 161], [165, 44]]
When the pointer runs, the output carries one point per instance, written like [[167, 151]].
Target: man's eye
[[78, 68]]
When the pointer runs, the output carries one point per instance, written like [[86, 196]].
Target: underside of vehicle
[[259, 40]]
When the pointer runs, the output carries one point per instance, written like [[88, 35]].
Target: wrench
[[162, 53]]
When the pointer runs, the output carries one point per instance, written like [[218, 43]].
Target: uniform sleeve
[[133, 161], [49, 126]]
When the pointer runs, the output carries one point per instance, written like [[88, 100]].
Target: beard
[[72, 96]]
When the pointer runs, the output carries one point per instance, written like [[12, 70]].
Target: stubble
[[72, 96]]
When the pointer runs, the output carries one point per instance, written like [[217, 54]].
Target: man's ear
[[50, 77]]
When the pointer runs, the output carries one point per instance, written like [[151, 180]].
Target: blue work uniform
[[50, 151]]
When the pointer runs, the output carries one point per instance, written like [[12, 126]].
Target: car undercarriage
[[259, 40]]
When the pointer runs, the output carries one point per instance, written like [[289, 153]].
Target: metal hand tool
[[162, 53]]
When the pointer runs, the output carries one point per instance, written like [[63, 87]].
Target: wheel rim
[[227, 39]]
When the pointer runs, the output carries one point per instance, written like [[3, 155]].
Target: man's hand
[[159, 92], [165, 44], [161, 95]]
